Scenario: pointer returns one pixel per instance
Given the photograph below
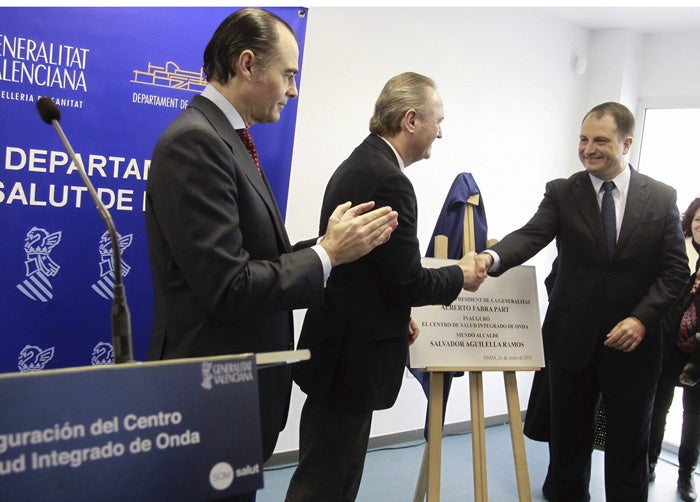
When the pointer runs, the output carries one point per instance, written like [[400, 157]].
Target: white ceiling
[[654, 20], [644, 19]]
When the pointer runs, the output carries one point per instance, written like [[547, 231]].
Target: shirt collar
[[212, 94], [622, 181], [402, 166]]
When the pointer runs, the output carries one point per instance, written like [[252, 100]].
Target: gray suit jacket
[[224, 274]]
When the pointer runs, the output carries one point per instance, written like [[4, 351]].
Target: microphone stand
[[121, 318]]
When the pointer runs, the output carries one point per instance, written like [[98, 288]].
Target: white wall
[[614, 69], [510, 94], [513, 107], [671, 66]]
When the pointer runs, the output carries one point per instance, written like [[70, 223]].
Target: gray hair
[[401, 93]]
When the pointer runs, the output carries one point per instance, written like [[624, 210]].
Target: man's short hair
[[624, 119], [401, 93], [249, 28]]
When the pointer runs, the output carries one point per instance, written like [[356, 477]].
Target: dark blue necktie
[[607, 209]]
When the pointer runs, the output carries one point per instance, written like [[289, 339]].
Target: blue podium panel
[[170, 430]]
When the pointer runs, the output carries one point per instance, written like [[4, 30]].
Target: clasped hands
[[475, 268], [353, 231]]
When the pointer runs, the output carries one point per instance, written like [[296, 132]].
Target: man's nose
[[292, 91]]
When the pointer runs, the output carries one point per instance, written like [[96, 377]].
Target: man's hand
[[696, 285], [413, 331], [484, 262], [626, 335], [353, 232], [474, 271]]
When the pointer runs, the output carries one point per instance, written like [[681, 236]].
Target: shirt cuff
[[325, 261], [496, 265]]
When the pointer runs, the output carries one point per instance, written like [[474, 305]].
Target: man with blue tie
[[621, 263]]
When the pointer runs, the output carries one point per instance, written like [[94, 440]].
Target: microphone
[[121, 319]]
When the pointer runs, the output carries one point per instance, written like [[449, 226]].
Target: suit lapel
[[637, 199], [228, 134]]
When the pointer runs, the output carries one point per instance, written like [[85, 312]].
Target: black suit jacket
[[593, 291], [358, 338], [224, 274]]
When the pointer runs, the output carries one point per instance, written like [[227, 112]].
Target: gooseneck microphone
[[121, 319]]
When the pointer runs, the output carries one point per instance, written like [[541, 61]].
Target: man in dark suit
[[601, 331], [359, 336], [225, 276]]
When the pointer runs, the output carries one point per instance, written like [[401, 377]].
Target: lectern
[[184, 429]]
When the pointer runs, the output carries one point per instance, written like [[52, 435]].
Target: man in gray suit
[[225, 276], [601, 331]]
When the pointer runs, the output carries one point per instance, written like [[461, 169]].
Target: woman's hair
[[688, 215]]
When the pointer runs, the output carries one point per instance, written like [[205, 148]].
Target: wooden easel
[[430, 474]]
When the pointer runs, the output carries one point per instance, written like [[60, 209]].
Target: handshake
[[475, 268]]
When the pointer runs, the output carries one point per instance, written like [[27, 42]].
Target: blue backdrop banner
[[119, 76]]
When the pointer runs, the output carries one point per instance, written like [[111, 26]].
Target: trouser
[[628, 397], [332, 449], [689, 448]]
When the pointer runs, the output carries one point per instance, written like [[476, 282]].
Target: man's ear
[[409, 120], [244, 64], [627, 144]]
